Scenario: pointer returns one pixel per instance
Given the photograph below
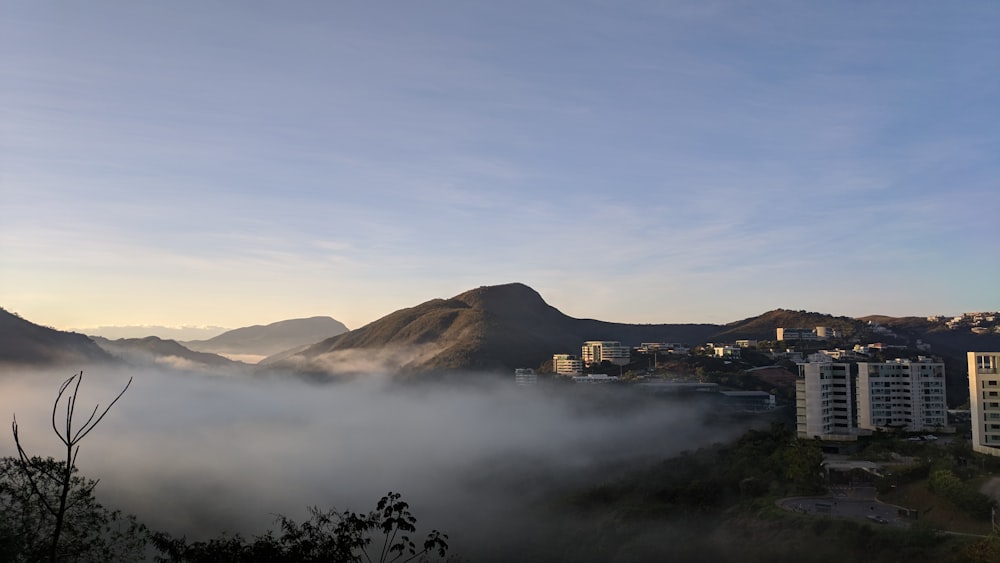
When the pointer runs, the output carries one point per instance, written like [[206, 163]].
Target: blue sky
[[236, 163]]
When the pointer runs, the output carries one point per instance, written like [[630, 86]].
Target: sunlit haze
[[236, 163]]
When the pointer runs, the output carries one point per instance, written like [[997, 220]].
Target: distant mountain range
[[154, 350], [486, 329], [267, 340]]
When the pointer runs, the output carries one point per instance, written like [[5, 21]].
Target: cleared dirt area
[[935, 510], [991, 488]]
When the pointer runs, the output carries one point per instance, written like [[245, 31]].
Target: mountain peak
[[501, 296]]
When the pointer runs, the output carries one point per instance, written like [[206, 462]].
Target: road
[[843, 502]]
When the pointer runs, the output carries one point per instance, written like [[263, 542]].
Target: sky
[[235, 163]]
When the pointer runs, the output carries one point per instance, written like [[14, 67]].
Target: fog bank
[[196, 455]]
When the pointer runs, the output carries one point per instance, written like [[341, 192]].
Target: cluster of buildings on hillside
[[839, 396], [977, 322]]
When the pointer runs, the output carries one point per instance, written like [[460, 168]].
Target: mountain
[[266, 340], [488, 328], [763, 327], [23, 342], [155, 350]]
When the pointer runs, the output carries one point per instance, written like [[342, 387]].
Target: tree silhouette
[[53, 481], [327, 536]]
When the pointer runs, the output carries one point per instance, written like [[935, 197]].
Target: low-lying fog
[[196, 455]]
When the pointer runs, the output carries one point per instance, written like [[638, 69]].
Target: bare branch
[[100, 418], [55, 405]]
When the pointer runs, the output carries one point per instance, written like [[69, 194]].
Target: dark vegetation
[[718, 504], [329, 536]]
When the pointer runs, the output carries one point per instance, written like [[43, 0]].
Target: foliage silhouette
[[90, 532], [327, 536]]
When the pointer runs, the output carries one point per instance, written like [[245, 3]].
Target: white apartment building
[[902, 394], [984, 401], [823, 397], [567, 364], [597, 351]]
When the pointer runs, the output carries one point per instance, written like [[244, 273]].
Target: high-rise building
[[823, 401], [984, 401], [902, 394]]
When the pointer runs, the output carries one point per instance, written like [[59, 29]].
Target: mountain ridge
[[24, 342], [487, 328], [270, 339]]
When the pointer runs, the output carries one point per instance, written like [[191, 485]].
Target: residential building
[[567, 364], [597, 351], [524, 377], [823, 401], [984, 401], [902, 394], [746, 343]]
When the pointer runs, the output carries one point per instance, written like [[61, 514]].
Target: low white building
[[567, 364], [596, 378], [524, 377], [663, 348], [795, 334]]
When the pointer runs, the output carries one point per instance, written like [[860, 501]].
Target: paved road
[[856, 503]]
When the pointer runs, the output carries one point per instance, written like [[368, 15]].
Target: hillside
[[154, 350], [763, 327], [488, 328], [23, 342], [266, 340], [956, 339]]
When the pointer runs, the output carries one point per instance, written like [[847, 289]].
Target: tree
[[52, 484], [90, 532]]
